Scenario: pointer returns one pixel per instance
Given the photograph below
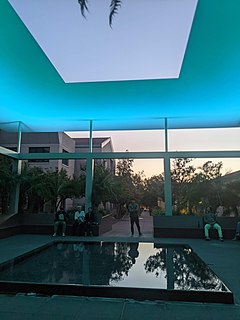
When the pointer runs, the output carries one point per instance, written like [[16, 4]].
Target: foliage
[[231, 195], [182, 175], [153, 191], [184, 271], [124, 168], [60, 187], [8, 180], [103, 185], [38, 187], [114, 7], [32, 188], [157, 211], [194, 188]]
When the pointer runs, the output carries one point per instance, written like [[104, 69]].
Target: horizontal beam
[[129, 155], [9, 153]]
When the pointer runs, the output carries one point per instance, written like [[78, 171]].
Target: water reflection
[[133, 252], [116, 264], [183, 270]]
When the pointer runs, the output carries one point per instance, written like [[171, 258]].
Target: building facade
[[57, 142]]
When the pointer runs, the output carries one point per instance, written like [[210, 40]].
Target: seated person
[[237, 235], [76, 223], [79, 220], [210, 221], [90, 221], [60, 219]]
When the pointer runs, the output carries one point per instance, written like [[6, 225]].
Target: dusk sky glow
[[179, 140]]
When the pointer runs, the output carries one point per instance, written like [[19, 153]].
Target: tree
[[7, 182], [32, 189], [124, 168], [38, 187], [231, 196], [153, 190], [182, 175], [103, 185], [58, 187], [138, 183], [191, 189], [114, 6]]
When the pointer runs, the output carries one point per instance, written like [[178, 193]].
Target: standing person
[[133, 209], [60, 219], [210, 221]]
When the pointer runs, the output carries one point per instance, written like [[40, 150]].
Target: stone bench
[[191, 227], [42, 223]]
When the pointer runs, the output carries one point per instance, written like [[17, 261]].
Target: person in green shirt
[[210, 221]]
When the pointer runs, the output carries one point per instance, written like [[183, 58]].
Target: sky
[[179, 140], [129, 50]]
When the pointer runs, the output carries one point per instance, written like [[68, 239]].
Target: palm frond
[[114, 6], [83, 6]]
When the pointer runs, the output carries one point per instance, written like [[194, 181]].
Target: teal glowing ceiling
[[206, 94], [89, 50]]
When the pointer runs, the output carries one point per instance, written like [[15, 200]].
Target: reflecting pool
[[115, 265]]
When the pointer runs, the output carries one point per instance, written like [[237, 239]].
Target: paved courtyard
[[223, 258]]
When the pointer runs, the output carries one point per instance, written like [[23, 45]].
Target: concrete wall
[[190, 227]]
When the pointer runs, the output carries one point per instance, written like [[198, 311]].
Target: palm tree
[[32, 188], [114, 6], [103, 185], [58, 187], [8, 180]]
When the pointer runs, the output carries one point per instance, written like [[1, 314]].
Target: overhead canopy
[[206, 93]]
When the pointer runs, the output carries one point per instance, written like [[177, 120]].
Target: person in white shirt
[[79, 219]]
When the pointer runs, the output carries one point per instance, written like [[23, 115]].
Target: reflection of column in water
[[169, 269], [85, 269]]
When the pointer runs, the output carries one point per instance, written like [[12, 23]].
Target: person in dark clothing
[[237, 234], [133, 209], [79, 221], [133, 252], [60, 219], [89, 221]]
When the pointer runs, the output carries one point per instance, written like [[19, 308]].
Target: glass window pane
[[198, 183], [204, 139]]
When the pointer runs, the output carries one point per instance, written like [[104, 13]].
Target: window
[[65, 161], [39, 150]]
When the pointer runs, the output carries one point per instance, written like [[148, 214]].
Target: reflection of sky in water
[[119, 264], [137, 276]]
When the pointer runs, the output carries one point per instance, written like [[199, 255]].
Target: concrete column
[[90, 137], [167, 176], [89, 172], [17, 167], [167, 187], [89, 183]]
